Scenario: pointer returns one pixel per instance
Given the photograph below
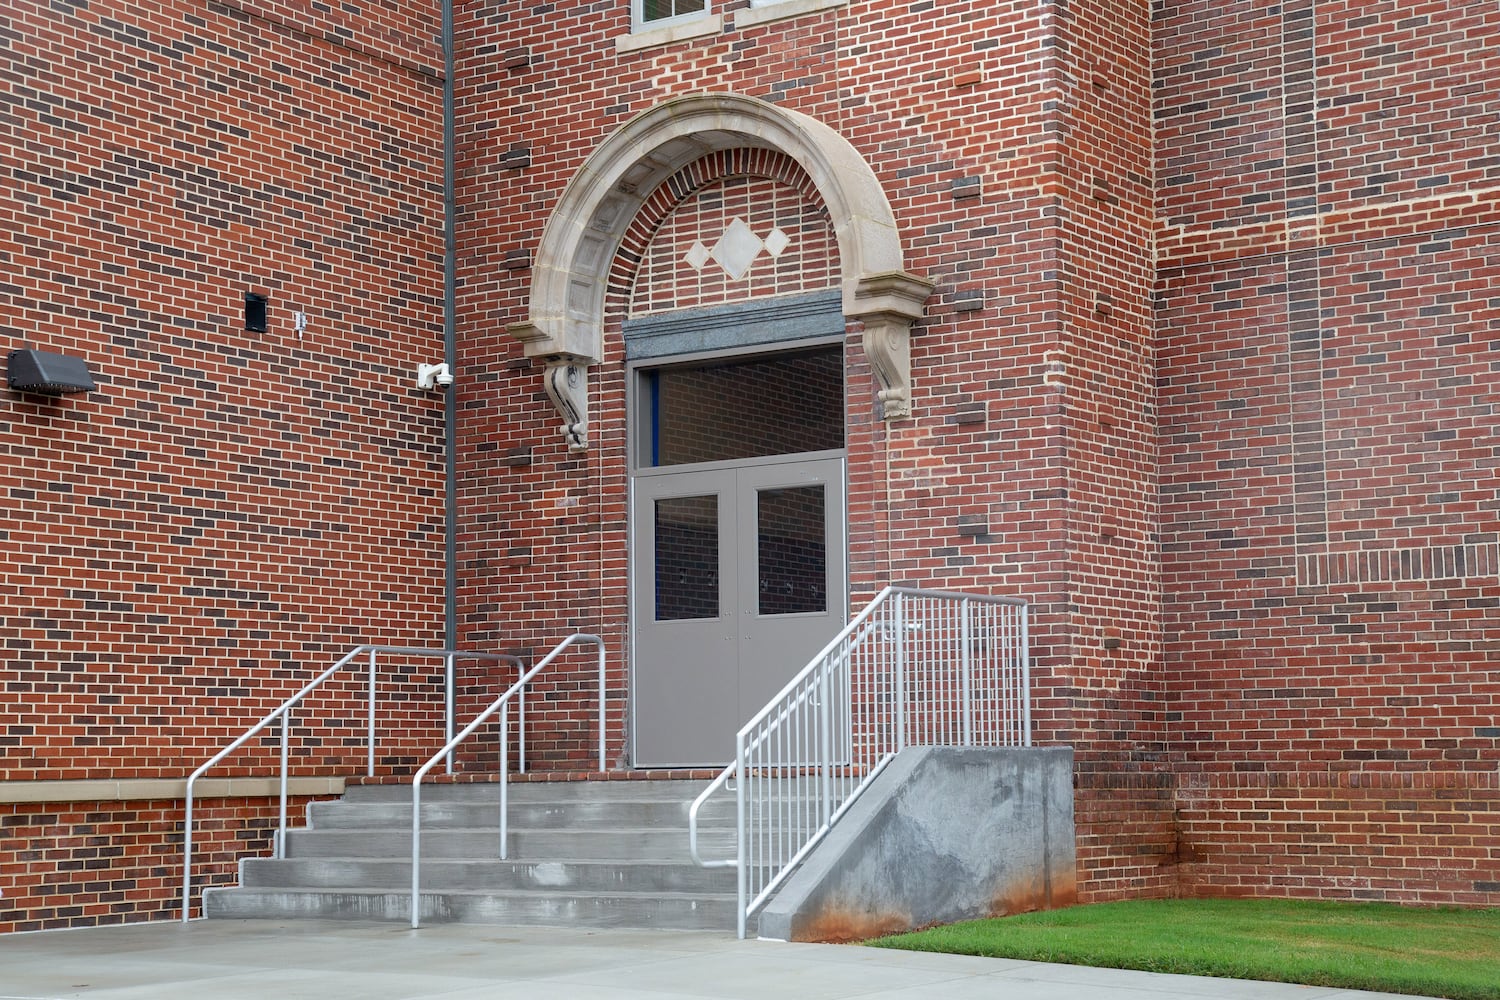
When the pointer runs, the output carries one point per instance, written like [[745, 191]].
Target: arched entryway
[[737, 486]]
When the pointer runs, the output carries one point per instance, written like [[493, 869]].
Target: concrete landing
[[334, 960]]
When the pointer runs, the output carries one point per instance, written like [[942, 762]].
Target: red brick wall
[[228, 511], [1326, 331], [1426, 838], [1102, 372], [1033, 419]]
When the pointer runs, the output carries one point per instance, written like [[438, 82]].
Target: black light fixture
[[45, 372]]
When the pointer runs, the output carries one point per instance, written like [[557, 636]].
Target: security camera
[[434, 376]]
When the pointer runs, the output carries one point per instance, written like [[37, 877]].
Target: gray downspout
[[450, 349], [450, 355]]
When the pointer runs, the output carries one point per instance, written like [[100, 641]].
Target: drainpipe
[[450, 355], [450, 398]]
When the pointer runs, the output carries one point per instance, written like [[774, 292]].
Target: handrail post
[[286, 734], [521, 720], [187, 852], [601, 707], [416, 853], [450, 680], [370, 729], [965, 638], [740, 853], [504, 780]]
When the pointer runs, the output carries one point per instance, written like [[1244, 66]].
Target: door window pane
[[793, 550], [687, 558], [786, 404]]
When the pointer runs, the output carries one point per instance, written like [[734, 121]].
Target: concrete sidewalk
[[332, 960]]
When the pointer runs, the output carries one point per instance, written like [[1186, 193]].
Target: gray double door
[[738, 580]]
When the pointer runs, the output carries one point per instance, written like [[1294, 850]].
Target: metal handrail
[[952, 669], [284, 713], [501, 705]]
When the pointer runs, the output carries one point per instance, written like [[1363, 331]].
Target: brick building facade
[[1201, 330]]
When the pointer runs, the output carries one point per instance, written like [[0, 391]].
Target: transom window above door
[[740, 408]]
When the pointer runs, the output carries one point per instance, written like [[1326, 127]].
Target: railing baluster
[[966, 658], [825, 754], [900, 668]]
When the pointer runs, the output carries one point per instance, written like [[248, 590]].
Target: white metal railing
[[284, 713], [914, 668], [501, 705]]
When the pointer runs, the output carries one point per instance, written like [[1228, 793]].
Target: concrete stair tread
[[535, 791], [496, 828], [494, 859], [518, 893]]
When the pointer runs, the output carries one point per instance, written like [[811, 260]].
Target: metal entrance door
[[738, 580]]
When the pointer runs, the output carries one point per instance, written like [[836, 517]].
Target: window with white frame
[[659, 13]]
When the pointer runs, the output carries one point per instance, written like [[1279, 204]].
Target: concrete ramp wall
[[943, 834]]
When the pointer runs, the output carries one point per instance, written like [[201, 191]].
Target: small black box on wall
[[255, 313]]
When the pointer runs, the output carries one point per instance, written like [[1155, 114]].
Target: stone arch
[[570, 277]]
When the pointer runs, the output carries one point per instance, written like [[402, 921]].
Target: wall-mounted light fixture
[[45, 372]]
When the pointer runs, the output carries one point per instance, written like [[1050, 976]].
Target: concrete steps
[[606, 854]]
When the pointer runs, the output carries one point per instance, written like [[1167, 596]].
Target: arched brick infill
[[570, 279], [671, 194]]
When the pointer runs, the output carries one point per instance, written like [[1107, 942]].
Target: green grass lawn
[[1367, 946]]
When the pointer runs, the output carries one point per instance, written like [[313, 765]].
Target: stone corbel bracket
[[887, 304], [567, 383]]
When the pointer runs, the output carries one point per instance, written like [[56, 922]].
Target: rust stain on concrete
[[834, 925], [1028, 897]]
